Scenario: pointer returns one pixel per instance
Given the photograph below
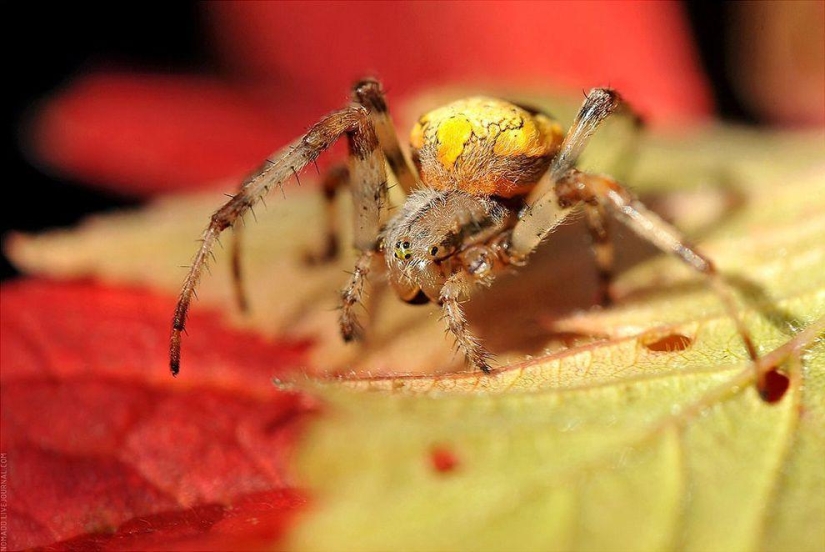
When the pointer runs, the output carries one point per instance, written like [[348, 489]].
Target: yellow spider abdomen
[[453, 134], [484, 146]]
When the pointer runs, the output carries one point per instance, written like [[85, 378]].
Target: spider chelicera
[[492, 180]]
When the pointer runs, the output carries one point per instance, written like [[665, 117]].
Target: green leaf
[[631, 428]]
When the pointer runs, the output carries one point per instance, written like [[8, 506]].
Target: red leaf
[[144, 133], [104, 447]]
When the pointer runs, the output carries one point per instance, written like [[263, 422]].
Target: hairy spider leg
[[563, 187], [353, 295], [367, 168], [578, 187], [456, 289], [238, 288], [367, 93], [545, 213]]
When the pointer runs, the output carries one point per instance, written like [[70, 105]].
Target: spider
[[491, 181]]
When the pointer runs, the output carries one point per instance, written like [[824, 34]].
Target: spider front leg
[[369, 195], [367, 93], [544, 213], [456, 289], [334, 179]]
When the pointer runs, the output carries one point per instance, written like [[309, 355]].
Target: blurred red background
[[139, 99]]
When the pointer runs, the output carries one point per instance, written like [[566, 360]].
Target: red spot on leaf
[[102, 443], [773, 386], [443, 459]]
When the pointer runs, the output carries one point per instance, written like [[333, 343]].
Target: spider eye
[[402, 250], [441, 251]]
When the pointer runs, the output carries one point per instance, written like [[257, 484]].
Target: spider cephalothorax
[[493, 179]]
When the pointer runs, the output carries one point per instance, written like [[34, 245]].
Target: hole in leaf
[[772, 386], [443, 459], [667, 344]]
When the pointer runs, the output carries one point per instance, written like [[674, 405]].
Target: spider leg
[[563, 188], [369, 94], [352, 295], [596, 220], [369, 195], [238, 288], [544, 212], [334, 179], [612, 196], [599, 104], [455, 289]]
